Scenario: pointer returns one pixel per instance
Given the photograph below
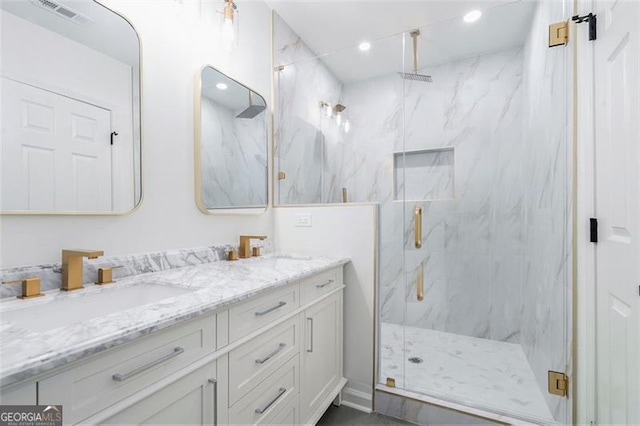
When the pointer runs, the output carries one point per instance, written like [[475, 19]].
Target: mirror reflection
[[70, 109], [232, 144]]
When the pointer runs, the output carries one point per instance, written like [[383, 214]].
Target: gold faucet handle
[[30, 287], [105, 275], [255, 251]]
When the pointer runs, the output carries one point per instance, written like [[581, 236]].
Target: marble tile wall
[[309, 147], [234, 158], [51, 274], [472, 245]]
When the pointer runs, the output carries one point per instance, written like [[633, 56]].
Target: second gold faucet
[[245, 244], [72, 275]]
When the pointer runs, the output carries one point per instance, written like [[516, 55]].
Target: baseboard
[[357, 400]]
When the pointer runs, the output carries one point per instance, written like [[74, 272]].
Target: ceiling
[[333, 30]]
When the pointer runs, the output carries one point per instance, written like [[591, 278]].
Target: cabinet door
[[322, 354], [190, 400]]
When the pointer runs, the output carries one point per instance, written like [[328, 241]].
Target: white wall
[[343, 231], [177, 38]]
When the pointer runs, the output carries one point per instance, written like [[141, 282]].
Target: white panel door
[[56, 151], [617, 195]]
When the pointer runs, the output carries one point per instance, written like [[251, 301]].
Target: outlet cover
[[304, 220]]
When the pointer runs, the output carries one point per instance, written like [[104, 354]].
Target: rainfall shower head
[[252, 110], [415, 76]]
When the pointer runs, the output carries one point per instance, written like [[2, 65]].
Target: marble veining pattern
[[234, 157], [216, 285], [476, 372], [51, 274]]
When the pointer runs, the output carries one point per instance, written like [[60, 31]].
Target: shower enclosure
[[472, 172]]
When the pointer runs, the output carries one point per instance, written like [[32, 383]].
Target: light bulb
[[338, 119], [472, 16], [221, 86], [347, 126], [228, 33], [364, 46], [328, 111]]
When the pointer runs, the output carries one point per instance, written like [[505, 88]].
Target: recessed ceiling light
[[472, 16], [364, 46], [221, 86]]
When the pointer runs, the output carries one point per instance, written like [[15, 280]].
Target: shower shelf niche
[[424, 175]]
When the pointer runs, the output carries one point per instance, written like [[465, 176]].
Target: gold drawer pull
[[281, 392], [281, 346], [325, 284], [122, 377], [417, 218], [278, 306]]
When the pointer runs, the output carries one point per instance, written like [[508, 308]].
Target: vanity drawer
[[290, 415], [254, 361], [318, 285], [259, 312], [268, 399], [120, 372]]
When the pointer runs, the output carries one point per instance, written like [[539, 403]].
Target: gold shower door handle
[[420, 283], [417, 218]]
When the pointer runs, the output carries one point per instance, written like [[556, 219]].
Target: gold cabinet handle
[[417, 218], [420, 283]]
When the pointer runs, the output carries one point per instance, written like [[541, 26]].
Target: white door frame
[[585, 251]]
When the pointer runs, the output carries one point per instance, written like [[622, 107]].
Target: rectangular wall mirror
[[71, 133], [231, 145]]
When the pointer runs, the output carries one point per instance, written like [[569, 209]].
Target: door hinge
[[282, 175], [391, 382], [593, 24], [559, 34], [558, 383], [593, 230], [113, 135]]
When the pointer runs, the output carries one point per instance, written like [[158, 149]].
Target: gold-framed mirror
[[71, 102], [231, 145]]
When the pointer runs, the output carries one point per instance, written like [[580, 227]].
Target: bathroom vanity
[[257, 341]]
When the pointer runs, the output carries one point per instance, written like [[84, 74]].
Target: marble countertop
[[25, 353]]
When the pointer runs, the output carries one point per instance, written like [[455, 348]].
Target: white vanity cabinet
[[321, 357], [103, 380], [191, 400], [22, 394], [274, 358]]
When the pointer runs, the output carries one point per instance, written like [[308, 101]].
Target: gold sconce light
[[229, 25]]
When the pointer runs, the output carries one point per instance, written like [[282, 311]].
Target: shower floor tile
[[477, 372]]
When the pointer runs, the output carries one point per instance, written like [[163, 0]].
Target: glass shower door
[[486, 170]]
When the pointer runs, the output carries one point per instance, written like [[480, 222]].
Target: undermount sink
[[280, 262], [76, 308]]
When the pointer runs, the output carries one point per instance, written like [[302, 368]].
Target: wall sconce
[[326, 109], [338, 113], [229, 25]]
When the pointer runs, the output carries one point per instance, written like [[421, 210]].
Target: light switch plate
[[304, 220]]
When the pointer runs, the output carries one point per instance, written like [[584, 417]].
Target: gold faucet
[[72, 267], [245, 244]]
